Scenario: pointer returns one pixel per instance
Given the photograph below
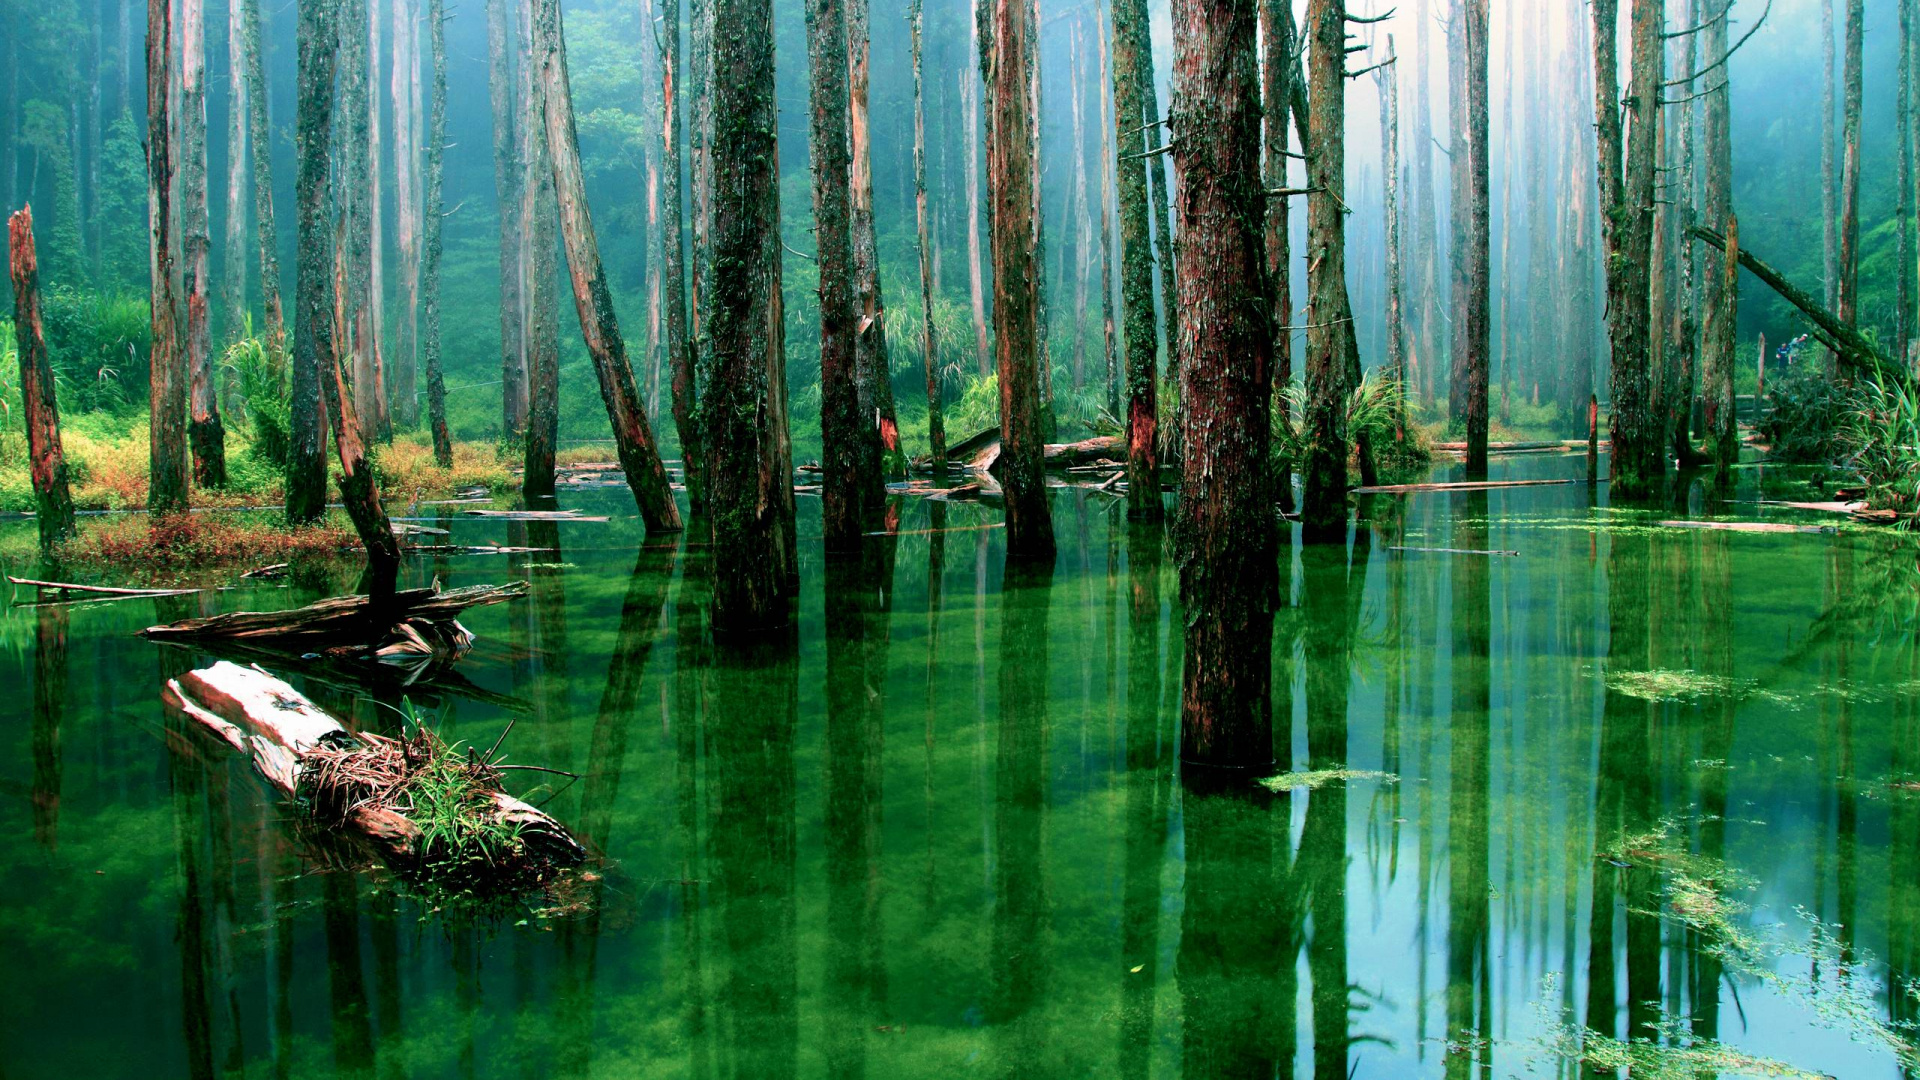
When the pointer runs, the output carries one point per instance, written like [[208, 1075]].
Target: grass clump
[[148, 549], [1319, 778]]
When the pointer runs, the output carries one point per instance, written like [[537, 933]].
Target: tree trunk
[[1159, 195], [870, 330], [1007, 27], [929, 352], [745, 407], [1903, 197], [1083, 219], [1829, 170], [430, 237], [47, 461], [1426, 240], [508, 183], [1329, 313], [1459, 212], [1105, 121], [404, 88], [851, 488], [976, 284], [1388, 79], [204, 431], [358, 209], [538, 265], [674, 267], [1847, 298], [1476, 249], [262, 150], [592, 298], [1132, 67], [233, 264], [167, 455], [1721, 299], [1278, 76], [1228, 549]]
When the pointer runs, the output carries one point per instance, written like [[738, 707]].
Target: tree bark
[[1278, 78], [1847, 296], [1475, 245], [976, 283], [167, 455], [430, 237], [508, 182], [47, 461], [745, 410], [261, 148], [1159, 195], [1228, 549], [929, 351], [632, 436], [1132, 67], [1903, 196], [870, 329], [1721, 300], [538, 266], [1459, 213], [1329, 313], [674, 267], [1007, 69], [1829, 169], [358, 209], [1388, 80], [1082, 216], [233, 264], [404, 89], [204, 431], [1426, 240], [1105, 121]]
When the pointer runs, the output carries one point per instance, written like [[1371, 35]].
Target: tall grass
[[1881, 440]]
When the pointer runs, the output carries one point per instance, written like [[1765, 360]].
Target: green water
[[943, 832]]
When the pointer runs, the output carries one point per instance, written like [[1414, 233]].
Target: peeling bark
[[47, 461]]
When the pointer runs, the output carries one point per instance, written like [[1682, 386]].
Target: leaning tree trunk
[[204, 431], [1228, 549], [1131, 69], [745, 399], [871, 359], [592, 298], [430, 239], [1476, 254], [1015, 233], [167, 386], [1847, 296], [1329, 313], [674, 268], [262, 152], [508, 180], [851, 488], [929, 354], [538, 264], [233, 264], [1278, 76], [47, 461], [1720, 342]]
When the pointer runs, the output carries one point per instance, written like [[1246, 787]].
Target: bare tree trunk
[[1105, 120], [870, 330], [1228, 549], [1159, 193], [1388, 78], [929, 351], [375, 417], [1829, 168], [1721, 300], [1514, 150], [745, 408], [508, 184], [632, 436], [167, 456], [1903, 197], [358, 208], [1847, 299], [1472, 237], [976, 284], [538, 265], [47, 461], [430, 237], [1083, 219], [1008, 33], [314, 291], [204, 431], [1460, 210], [1426, 241], [1329, 312], [404, 88], [233, 263], [673, 264], [851, 488], [1130, 69], [1278, 79], [262, 150]]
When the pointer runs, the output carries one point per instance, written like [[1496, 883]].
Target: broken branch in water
[[98, 590], [1454, 551]]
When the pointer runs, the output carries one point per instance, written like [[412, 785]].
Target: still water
[[1650, 782]]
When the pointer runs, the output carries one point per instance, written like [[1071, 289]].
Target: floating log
[[1852, 507], [533, 515], [1750, 526], [100, 590], [346, 625], [1469, 485], [1108, 448], [1512, 447], [1455, 551], [301, 751]]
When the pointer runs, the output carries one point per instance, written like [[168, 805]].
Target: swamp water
[[1659, 782]]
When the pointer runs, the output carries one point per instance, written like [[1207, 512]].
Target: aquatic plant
[[1881, 440], [1319, 778], [1669, 1052]]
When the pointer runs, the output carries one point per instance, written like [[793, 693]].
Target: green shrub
[[1881, 437], [1805, 408], [98, 344], [261, 375]]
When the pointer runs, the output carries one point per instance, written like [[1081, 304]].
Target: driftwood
[[1750, 526], [1470, 485], [414, 623], [285, 735], [99, 590], [1513, 447], [532, 515], [1454, 551]]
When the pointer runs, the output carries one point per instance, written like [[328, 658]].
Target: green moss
[[1319, 778]]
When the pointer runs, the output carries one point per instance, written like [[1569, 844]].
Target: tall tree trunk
[[1008, 33], [375, 418], [1460, 211], [1514, 149], [700, 143], [1105, 120], [1228, 549], [233, 264], [929, 351], [1132, 68], [430, 237], [1159, 191], [1476, 250], [1329, 312], [313, 287], [47, 460], [167, 455], [976, 283], [1426, 240], [1903, 197], [508, 183], [262, 149], [204, 431], [1278, 79], [1720, 345], [1388, 79], [851, 488], [538, 266], [358, 209], [1847, 296], [1829, 168], [632, 436], [745, 411], [1627, 201], [404, 87], [870, 329], [1083, 218], [673, 263]]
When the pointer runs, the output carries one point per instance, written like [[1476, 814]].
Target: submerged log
[[290, 741], [349, 625]]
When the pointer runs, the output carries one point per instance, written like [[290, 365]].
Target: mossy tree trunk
[[204, 432], [871, 358], [1720, 343], [1847, 295], [233, 264], [404, 91], [261, 149], [167, 386], [1475, 246], [673, 285], [358, 209], [1329, 312], [976, 278], [929, 351], [1278, 76], [1131, 68], [539, 285], [508, 181], [430, 237], [47, 461], [1387, 78]]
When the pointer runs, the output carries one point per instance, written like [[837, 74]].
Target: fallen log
[[1110, 448], [1455, 551], [372, 787], [101, 590], [348, 625], [532, 515], [1512, 447], [1469, 485], [1750, 526]]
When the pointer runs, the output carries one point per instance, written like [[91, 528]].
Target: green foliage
[[1372, 408], [261, 375], [1881, 437], [98, 344], [12, 450], [1804, 412]]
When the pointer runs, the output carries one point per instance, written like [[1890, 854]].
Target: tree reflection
[[1021, 947]]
